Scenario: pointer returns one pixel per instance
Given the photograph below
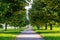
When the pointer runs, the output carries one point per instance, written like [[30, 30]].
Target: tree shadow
[[6, 38], [10, 32], [44, 31], [47, 32], [38, 29]]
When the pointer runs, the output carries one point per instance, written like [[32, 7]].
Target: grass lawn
[[10, 34], [49, 34]]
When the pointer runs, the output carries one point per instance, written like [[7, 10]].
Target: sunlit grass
[[10, 34], [7, 35], [49, 34]]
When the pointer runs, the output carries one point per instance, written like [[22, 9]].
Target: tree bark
[[50, 26], [38, 27], [5, 26], [45, 26]]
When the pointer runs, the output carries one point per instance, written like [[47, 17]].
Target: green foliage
[[45, 11], [12, 12]]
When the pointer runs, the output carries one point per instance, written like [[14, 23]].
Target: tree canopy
[[12, 12], [45, 12]]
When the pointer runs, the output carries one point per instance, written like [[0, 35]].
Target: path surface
[[29, 34]]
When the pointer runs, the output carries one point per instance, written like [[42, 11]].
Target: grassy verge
[[49, 34], [10, 34]]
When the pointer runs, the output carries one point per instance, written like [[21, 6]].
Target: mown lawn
[[10, 34], [49, 34]]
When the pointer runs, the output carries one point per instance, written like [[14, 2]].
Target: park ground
[[10, 34], [49, 34], [46, 34]]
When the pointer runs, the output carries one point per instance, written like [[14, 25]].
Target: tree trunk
[[50, 26], [38, 27], [45, 26], [5, 26]]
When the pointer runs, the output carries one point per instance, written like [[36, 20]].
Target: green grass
[[10, 34], [49, 34]]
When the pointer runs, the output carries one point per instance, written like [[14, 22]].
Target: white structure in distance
[[28, 7]]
